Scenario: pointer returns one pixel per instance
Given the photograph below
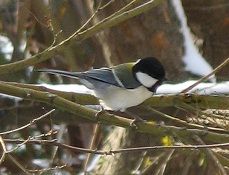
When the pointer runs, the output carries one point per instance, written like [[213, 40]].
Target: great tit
[[122, 86]]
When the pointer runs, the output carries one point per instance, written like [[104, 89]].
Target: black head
[[149, 72]]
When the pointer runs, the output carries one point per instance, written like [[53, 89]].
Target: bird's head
[[149, 72]]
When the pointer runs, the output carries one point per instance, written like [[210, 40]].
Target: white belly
[[122, 98]]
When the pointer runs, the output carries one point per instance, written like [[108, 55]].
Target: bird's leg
[[100, 112]]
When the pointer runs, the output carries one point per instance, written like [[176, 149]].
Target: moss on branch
[[105, 118], [194, 100]]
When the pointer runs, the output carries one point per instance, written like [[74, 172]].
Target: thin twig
[[92, 144], [112, 152], [48, 169], [28, 124], [106, 5], [18, 146], [191, 108], [3, 150], [59, 138], [18, 164], [105, 23], [161, 167], [105, 118], [212, 156], [86, 23], [207, 76], [186, 123]]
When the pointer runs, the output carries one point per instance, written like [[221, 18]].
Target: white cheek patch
[[145, 79]]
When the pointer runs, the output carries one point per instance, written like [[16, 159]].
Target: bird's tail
[[60, 72]]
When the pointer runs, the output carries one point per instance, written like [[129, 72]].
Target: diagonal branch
[[29, 124], [78, 37], [193, 100], [106, 118], [207, 76]]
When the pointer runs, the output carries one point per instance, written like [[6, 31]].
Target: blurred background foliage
[[27, 27]]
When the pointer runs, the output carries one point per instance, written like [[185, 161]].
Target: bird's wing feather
[[93, 76], [124, 74], [120, 76], [104, 75]]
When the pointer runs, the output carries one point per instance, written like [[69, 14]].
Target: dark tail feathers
[[60, 72]]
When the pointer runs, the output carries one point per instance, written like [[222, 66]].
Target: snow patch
[[192, 58], [6, 47], [69, 88], [202, 88]]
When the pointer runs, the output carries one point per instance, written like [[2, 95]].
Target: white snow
[[192, 58], [6, 47], [202, 88], [44, 163], [69, 88]]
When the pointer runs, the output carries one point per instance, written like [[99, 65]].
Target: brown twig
[[18, 164], [29, 124], [47, 169], [212, 156], [92, 144], [3, 150], [207, 76], [50, 51], [184, 123], [106, 118], [111, 152]]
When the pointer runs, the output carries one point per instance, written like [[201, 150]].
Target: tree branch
[[77, 37], [111, 152], [207, 76], [29, 124], [105, 118], [194, 100]]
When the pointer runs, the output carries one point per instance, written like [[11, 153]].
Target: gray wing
[[96, 76], [120, 76], [123, 73]]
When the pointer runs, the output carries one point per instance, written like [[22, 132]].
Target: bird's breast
[[115, 98]]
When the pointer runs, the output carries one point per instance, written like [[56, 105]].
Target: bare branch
[[52, 50], [202, 101], [27, 125], [3, 150], [18, 164], [106, 118], [111, 152], [192, 125], [212, 156], [207, 76]]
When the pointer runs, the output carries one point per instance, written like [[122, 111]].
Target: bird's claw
[[134, 123], [100, 112]]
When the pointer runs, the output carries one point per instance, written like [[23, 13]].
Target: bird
[[122, 86]]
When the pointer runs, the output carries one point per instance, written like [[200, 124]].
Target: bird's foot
[[136, 121], [100, 112]]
